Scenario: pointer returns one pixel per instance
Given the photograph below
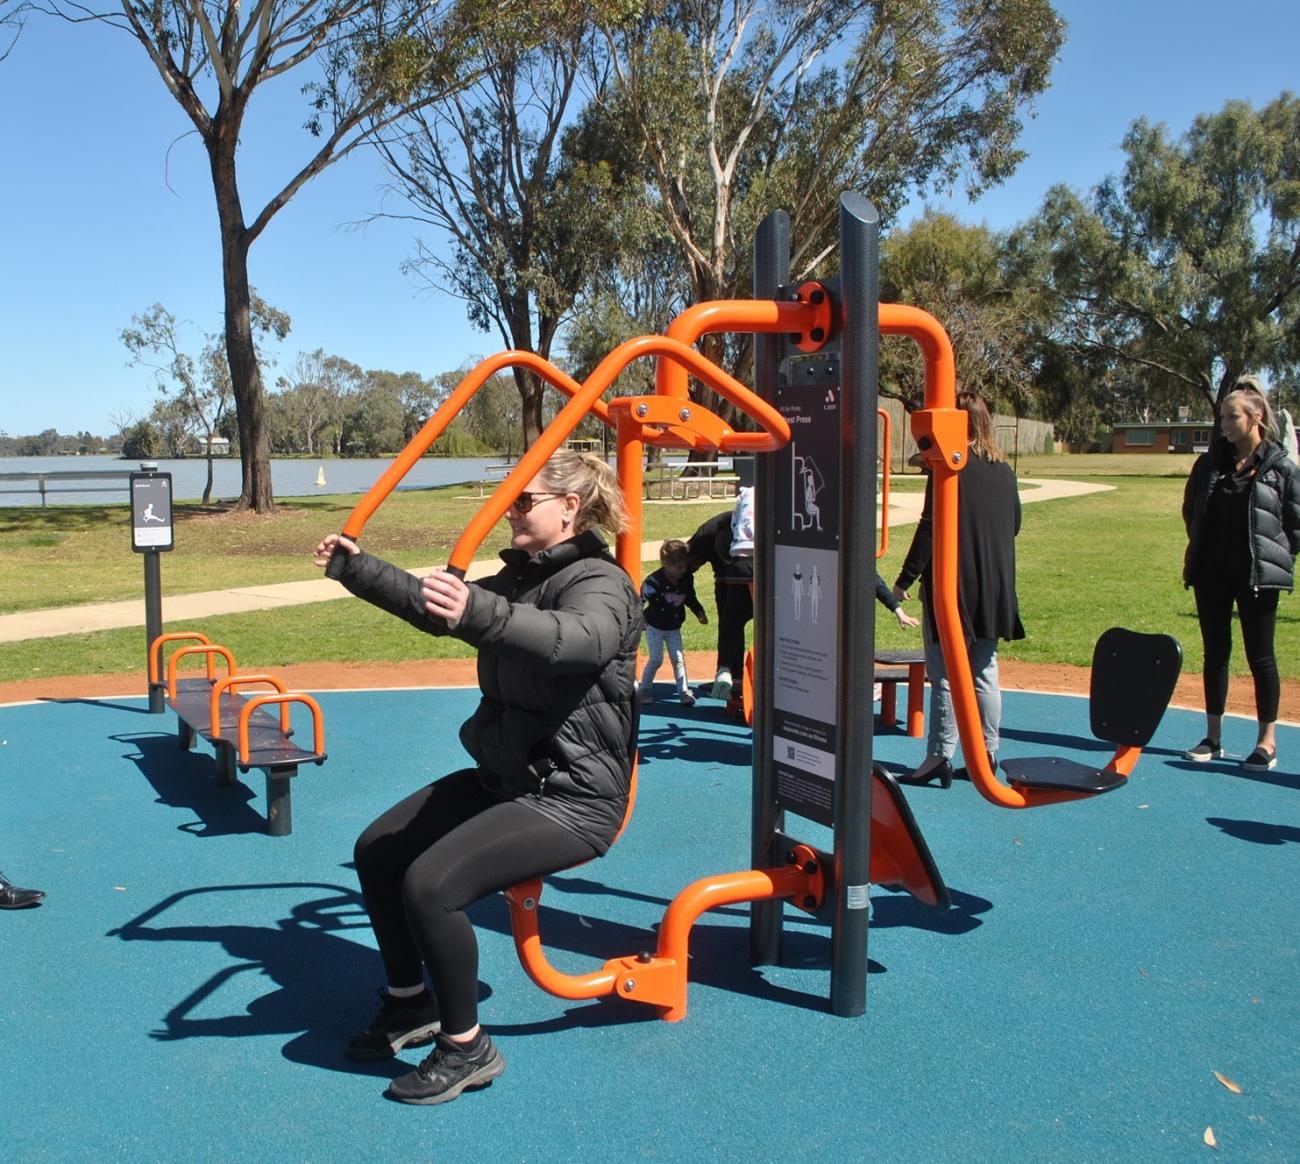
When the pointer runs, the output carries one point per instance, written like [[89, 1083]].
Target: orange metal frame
[[940, 430], [667, 419], [211, 650], [283, 699], [229, 683], [155, 651], [660, 979]]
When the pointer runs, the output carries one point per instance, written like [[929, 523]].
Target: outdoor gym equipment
[[242, 731], [809, 320], [1133, 675]]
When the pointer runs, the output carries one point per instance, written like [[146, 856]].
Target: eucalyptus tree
[[955, 271], [196, 392], [733, 109], [486, 168], [1184, 272], [361, 64]]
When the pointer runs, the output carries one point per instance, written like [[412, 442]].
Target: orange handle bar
[[776, 432], [437, 424], [807, 316], [229, 683], [155, 649], [282, 698], [210, 650]]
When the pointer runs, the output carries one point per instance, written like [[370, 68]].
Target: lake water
[[289, 478]]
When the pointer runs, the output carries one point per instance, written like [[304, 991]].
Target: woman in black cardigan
[[988, 522], [1241, 508]]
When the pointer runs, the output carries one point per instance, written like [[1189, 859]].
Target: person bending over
[[557, 631]]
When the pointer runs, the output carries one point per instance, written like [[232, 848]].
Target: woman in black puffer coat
[[1241, 508], [557, 632]]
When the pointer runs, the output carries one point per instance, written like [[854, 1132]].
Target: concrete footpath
[[904, 509]]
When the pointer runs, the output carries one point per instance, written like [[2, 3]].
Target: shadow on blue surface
[[1100, 962]]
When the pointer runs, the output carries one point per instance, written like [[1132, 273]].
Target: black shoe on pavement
[[1207, 749], [12, 897], [1260, 761], [401, 1022], [941, 771], [449, 1071]]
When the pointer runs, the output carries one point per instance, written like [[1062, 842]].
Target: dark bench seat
[[247, 729]]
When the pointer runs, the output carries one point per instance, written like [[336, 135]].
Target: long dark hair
[[982, 441]]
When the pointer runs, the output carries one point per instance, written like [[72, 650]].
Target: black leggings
[[433, 854], [1258, 613]]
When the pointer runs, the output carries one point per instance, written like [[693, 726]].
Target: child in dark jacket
[[667, 594]]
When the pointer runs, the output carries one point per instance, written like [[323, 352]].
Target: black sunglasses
[[525, 501]]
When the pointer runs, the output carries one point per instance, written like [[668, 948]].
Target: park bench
[[247, 730], [668, 482], [493, 475], [906, 666]]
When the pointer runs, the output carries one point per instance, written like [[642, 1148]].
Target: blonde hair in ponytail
[[592, 481], [1250, 391]]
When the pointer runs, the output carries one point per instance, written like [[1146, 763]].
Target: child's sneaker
[[722, 686], [1207, 749], [1260, 761], [688, 697]]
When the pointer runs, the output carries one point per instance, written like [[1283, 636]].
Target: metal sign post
[[151, 534], [814, 629]]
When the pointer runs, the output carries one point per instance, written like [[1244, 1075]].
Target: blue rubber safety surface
[[185, 991]]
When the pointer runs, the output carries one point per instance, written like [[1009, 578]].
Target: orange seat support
[[156, 647], [210, 650], [660, 979], [229, 683]]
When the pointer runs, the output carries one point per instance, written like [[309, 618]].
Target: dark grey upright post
[[859, 288], [771, 270]]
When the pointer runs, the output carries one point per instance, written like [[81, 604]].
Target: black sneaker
[[12, 897], [1207, 749], [449, 1071], [401, 1022], [1260, 761]]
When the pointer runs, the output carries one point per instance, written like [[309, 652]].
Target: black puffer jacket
[[1274, 515], [557, 636]]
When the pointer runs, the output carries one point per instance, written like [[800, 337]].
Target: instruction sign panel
[[805, 589], [151, 512]]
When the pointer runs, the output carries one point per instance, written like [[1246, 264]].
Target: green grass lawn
[[1084, 564]]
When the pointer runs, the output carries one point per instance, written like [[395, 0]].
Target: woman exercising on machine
[[557, 632]]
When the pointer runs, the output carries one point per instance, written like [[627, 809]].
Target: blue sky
[[105, 208]]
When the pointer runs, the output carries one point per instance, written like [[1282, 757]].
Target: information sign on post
[[807, 634], [151, 533], [151, 511]]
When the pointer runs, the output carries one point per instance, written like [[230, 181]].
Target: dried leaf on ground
[[1210, 1141], [1230, 1084]]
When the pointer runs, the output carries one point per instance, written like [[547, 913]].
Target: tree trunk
[[245, 375], [530, 399], [207, 485]]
